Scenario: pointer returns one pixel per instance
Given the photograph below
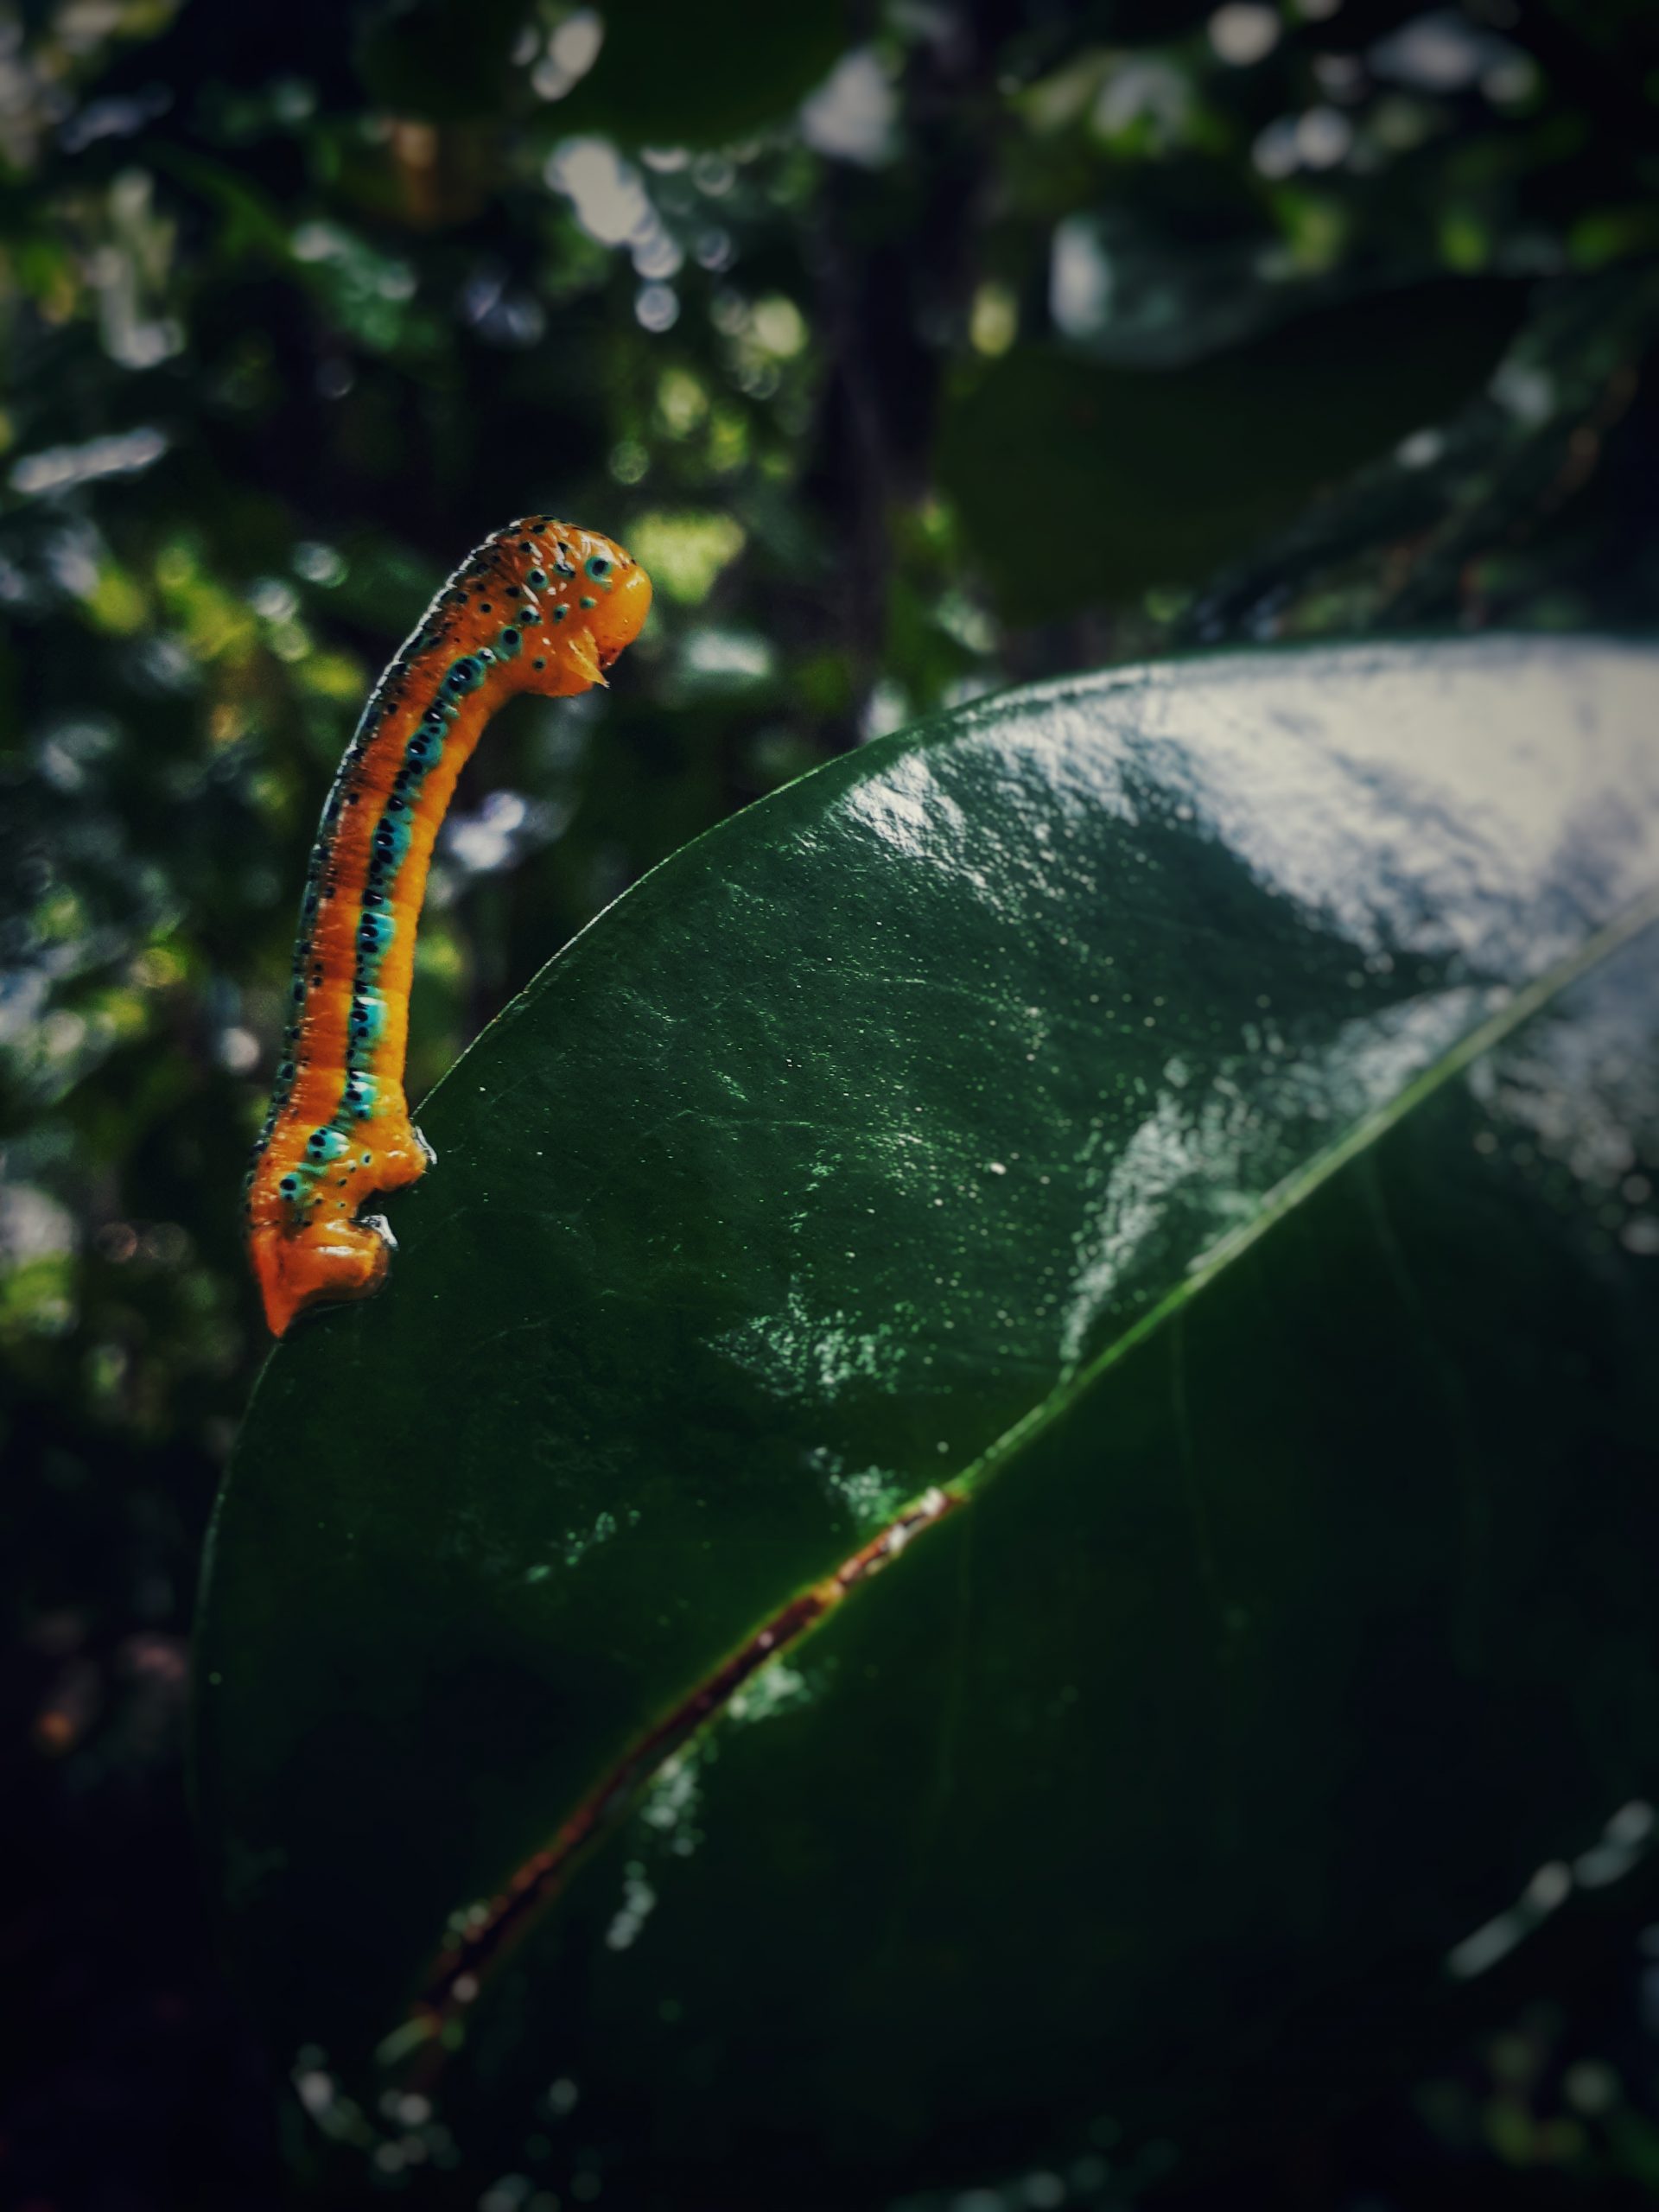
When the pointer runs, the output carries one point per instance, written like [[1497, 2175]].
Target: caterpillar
[[539, 606]]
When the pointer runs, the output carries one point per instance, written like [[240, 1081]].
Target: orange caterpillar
[[538, 608]]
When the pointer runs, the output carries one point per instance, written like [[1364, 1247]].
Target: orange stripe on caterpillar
[[539, 606]]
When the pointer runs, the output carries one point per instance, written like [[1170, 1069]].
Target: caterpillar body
[[539, 606]]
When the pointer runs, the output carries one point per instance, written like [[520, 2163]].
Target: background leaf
[[1159, 475], [1191, 1117], [440, 60], [665, 76]]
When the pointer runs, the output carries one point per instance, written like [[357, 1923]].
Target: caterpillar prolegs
[[539, 606]]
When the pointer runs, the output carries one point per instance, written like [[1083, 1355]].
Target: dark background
[[915, 350]]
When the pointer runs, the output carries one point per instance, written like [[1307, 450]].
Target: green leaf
[[1159, 475], [444, 60], [1117, 1230], [670, 76]]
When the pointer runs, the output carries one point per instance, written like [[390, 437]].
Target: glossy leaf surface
[[1193, 1130]]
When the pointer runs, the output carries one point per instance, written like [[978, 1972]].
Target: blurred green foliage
[[916, 348]]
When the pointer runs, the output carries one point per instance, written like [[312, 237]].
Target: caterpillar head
[[583, 600]]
